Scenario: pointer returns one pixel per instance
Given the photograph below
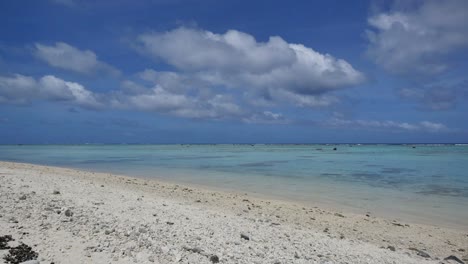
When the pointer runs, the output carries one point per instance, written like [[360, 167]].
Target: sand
[[72, 216]]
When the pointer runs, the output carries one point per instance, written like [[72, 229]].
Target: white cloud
[[418, 39], [55, 88], [236, 60], [24, 89], [232, 76], [300, 100], [266, 117], [424, 126], [68, 57], [18, 89], [157, 99]]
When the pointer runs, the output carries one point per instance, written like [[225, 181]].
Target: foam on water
[[428, 183]]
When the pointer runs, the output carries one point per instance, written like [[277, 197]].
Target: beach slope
[[71, 216]]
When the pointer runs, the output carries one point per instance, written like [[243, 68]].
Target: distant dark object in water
[[414, 147], [334, 148], [396, 170], [330, 174], [20, 254]]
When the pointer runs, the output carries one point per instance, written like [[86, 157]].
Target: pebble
[[244, 236], [68, 212], [214, 259], [454, 258], [420, 253]]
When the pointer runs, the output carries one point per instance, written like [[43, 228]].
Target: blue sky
[[205, 71]]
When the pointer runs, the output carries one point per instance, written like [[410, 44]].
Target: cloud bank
[[229, 76], [24, 89], [418, 40], [236, 60], [424, 126], [421, 41]]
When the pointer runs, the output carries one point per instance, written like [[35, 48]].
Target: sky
[[207, 71]]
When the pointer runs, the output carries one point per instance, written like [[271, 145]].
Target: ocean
[[422, 183]]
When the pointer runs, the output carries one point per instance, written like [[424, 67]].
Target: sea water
[[422, 183]]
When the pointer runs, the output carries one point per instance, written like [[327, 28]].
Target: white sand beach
[[71, 216]]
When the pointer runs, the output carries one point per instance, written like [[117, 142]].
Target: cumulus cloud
[[423, 126], [418, 39], [226, 76], [266, 117], [20, 89], [237, 60], [194, 106], [24, 89], [62, 55]]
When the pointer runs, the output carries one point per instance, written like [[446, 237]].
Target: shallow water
[[428, 183]]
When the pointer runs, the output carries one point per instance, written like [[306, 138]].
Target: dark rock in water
[[4, 241], [392, 248], [246, 237], [454, 258], [214, 259], [20, 254], [420, 253]]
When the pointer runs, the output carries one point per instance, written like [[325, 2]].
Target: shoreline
[[408, 214], [107, 207]]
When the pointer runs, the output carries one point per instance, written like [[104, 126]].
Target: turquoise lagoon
[[420, 183]]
